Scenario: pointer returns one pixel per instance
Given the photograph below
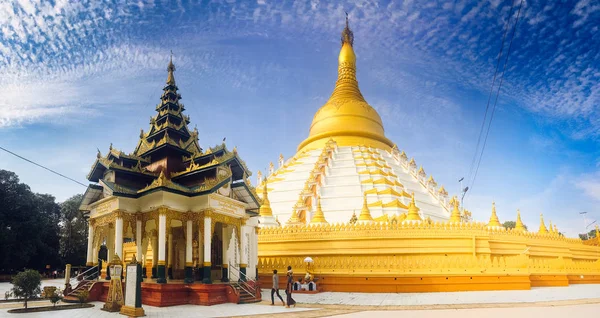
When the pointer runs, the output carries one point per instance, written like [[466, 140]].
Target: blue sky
[[78, 75]]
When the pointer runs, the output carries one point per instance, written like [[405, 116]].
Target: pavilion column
[[119, 237], [162, 236], [138, 240], [207, 244], [243, 252], [188, 253], [225, 265], [170, 253], [200, 264], [154, 253], [90, 245], [110, 248]]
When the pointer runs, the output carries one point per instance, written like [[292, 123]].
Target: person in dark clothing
[[289, 287], [275, 289]]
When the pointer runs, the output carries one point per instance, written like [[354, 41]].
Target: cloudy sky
[[78, 75]]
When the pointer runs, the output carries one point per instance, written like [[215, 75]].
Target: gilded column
[[138, 240], [188, 253], [200, 264], [119, 237], [243, 252], [90, 245], [154, 253], [162, 233], [225, 268], [207, 244], [110, 248], [170, 253]]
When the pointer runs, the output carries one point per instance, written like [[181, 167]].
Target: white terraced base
[[388, 179]]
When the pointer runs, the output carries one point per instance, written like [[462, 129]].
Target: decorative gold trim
[[206, 264], [161, 263], [243, 265]]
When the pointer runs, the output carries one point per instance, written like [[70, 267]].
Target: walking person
[[275, 289], [289, 287]]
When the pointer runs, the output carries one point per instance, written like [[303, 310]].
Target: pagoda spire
[[294, 219], [171, 69], [346, 86], [365, 214], [455, 216], [519, 224], [550, 228], [543, 229], [265, 208], [319, 217], [413, 211], [494, 222]]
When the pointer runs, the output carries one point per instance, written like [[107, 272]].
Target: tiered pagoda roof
[[168, 157]]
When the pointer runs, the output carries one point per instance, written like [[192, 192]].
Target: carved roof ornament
[[353, 219], [442, 191]]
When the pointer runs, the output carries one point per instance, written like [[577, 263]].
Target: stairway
[[81, 287], [245, 296]]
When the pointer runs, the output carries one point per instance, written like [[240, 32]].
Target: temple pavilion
[[187, 213]]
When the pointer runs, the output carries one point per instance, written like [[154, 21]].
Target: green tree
[[589, 235], [27, 284], [512, 225], [73, 232], [28, 226]]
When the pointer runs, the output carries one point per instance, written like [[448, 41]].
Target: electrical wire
[[487, 106], [498, 92], [39, 165]]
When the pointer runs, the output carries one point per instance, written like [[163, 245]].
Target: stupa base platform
[[438, 283], [175, 293]]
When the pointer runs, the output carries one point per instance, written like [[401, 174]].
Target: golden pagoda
[[494, 222], [455, 216], [519, 224], [410, 235]]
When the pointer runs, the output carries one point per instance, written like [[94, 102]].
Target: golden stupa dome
[[346, 117]]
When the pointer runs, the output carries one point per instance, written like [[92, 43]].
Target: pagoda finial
[[171, 69], [265, 208], [365, 214], [455, 216], [347, 35], [543, 229], [519, 224], [550, 228], [413, 211], [494, 222], [319, 217], [597, 233]]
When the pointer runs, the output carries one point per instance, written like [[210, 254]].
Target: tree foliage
[[27, 284], [28, 226], [589, 235], [512, 225], [73, 232]]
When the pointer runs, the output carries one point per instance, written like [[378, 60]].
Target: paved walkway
[[546, 312], [537, 294]]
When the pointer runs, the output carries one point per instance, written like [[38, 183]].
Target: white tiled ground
[[59, 283], [185, 311], [538, 294], [546, 312]]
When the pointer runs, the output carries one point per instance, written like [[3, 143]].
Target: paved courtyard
[[536, 294], [547, 302]]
